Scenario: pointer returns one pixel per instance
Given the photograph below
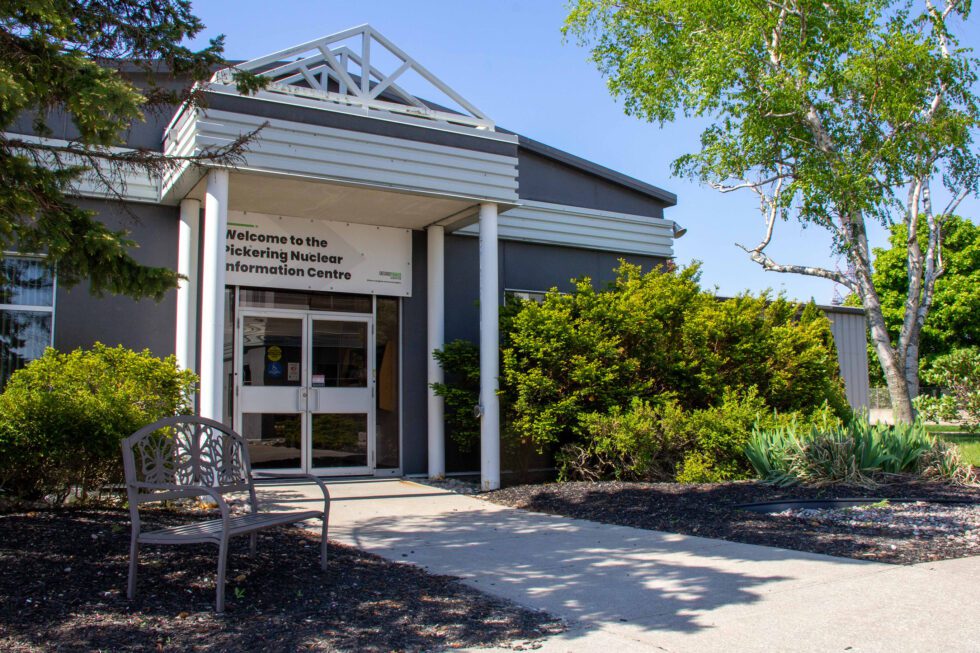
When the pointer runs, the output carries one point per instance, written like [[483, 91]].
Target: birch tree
[[833, 113]]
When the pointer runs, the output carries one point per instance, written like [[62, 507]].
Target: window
[[27, 288], [528, 295]]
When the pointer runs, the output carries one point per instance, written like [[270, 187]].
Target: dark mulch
[[710, 510], [63, 579]]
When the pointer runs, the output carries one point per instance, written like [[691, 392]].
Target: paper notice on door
[[292, 372], [318, 381]]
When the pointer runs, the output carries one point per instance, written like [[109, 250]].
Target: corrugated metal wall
[[850, 335]]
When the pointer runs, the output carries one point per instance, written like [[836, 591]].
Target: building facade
[[364, 227]]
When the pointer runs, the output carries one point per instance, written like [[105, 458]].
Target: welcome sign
[[274, 251]]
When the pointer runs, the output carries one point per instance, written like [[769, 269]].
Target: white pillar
[[489, 350], [436, 293], [187, 242], [213, 294]]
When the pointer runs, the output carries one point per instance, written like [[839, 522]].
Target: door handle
[[315, 396], [301, 400]]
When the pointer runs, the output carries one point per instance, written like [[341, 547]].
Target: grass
[[968, 443]]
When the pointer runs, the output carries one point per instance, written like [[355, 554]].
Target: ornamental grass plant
[[855, 453]]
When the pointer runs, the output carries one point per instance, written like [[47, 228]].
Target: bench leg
[[323, 545], [222, 566], [134, 552], [253, 541]]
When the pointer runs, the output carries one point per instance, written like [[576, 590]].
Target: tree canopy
[[101, 66], [952, 323], [833, 112]]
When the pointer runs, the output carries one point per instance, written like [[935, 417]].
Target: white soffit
[[304, 198], [359, 67]]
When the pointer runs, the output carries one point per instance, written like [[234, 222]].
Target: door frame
[[302, 391]]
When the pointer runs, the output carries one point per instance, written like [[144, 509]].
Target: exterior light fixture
[[679, 230]]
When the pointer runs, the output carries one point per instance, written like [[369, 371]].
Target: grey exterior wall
[[545, 179], [522, 266], [82, 319], [415, 438], [147, 133]]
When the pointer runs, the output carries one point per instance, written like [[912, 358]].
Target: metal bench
[[184, 457]]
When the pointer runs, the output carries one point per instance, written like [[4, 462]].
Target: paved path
[[625, 589]]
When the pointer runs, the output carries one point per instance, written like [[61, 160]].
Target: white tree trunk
[[892, 364]]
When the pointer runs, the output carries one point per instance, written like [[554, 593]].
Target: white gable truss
[[307, 70]]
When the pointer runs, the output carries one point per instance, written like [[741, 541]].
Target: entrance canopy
[[349, 126]]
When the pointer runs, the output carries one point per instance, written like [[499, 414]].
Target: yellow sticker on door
[[274, 353]]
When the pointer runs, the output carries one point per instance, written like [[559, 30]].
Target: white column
[[187, 242], [213, 294], [436, 293], [489, 350]]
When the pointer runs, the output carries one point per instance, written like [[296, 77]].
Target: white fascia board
[[134, 186], [572, 226]]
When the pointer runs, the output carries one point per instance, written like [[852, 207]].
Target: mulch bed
[[710, 510], [63, 587]]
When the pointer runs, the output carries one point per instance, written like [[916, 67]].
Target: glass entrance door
[[306, 391], [340, 398]]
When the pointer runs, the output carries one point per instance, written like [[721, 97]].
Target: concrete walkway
[[625, 589]]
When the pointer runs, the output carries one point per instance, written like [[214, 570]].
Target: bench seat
[[211, 530]]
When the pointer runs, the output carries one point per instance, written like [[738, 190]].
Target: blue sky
[[508, 58]]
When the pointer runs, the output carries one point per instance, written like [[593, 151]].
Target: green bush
[[62, 417], [665, 442], [644, 442], [651, 378], [658, 338], [857, 453], [460, 361], [958, 374]]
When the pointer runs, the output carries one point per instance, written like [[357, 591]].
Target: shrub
[[857, 453], [651, 378], [718, 435], [62, 416], [958, 373], [665, 442], [658, 335], [644, 442], [460, 361]]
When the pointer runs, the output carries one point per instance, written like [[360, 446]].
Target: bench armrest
[[185, 490], [310, 477]]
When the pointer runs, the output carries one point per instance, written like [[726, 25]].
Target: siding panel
[[570, 226], [285, 147], [852, 354]]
